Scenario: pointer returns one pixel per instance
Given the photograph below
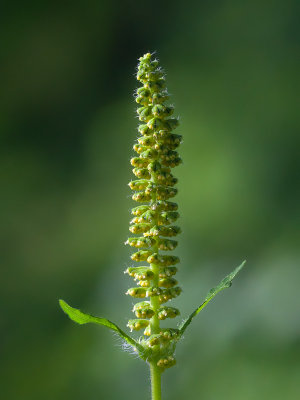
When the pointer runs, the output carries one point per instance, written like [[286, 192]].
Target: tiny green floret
[[154, 224]]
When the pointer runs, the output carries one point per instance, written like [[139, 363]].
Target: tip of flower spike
[[147, 56]]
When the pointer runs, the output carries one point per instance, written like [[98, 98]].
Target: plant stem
[[154, 301], [155, 371], [155, 374]]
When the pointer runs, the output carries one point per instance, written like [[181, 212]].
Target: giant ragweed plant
[[153, 223]]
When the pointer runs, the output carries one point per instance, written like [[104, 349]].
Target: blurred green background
[[67, 123]]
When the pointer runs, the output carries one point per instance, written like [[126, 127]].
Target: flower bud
[[143, 92], [139, 148], [161, 148], [165, 178], [162, 192], [141, 196], [160, 110], [153, 291], [154, 166], [167, 312], [137, 292], [141, 75], [172, 123], [143, 310], [169, 294], [167, 282], [144, 130], [139, 162], [162, 261], [139, 184], [140, 305], [170, 139], [145, 113], [155, 231], [166, 362], [141, 173], [140, 273], [154, 340], [168, 217], [156, 86], [144, 283], [169, 334], [169, 155], [161, 205], [166, 244], [163, 231], [148, 216], [155, 123], [155, 75], [141, 255], [139, 228], [136, 220], [172, 163], [149, 154], [167, 272], [137, 324], [139, 210], [144, 313], [140, 242], [147, 331], [146, 141], [159, 98], [142, 100]]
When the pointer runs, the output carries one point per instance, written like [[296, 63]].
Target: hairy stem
[[155, 373]]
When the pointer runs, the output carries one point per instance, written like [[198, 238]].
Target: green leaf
[[82, 318], [225, 283]]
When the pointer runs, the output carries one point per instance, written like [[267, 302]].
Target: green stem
[[155, 374], [155, 371], [154, 301]]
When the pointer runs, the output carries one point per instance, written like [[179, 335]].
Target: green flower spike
[[153, 222]]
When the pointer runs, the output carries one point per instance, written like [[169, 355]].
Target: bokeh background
[[67, 124]]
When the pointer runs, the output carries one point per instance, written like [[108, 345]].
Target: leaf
[[82, 318], [225, 283]]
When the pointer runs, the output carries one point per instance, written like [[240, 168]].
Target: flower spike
[[157, 155]]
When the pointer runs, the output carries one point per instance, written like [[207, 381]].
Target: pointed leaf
[[82, 318], [225, 283]]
